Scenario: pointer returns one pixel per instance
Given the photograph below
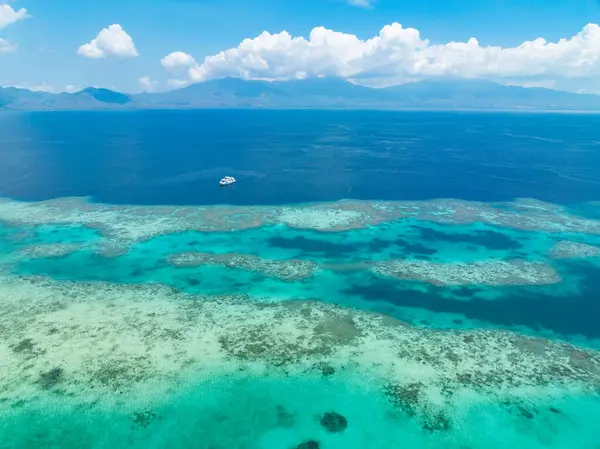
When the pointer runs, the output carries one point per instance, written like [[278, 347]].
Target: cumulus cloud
[[177, 83], [397, 55], [178, 61], [9, 15], [111, 41], [147, 84], [7, 46]]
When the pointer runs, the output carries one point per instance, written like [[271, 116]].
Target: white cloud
[[44, 87], [9, 15], [362, 3], [547, 84], [148, 84], [397, 55], [7, 46], [111, 41], [178, 83], [178, 61]]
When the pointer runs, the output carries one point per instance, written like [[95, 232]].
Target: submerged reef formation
[[91, 343], [49, 250], [440, 242], [334, 422], [139, 360], [326, 217], [497, 272], [135, 223], [573, 250], [288, 270]]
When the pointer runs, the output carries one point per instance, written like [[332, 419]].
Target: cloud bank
[[9, 15], [396, 55], [111, 41]]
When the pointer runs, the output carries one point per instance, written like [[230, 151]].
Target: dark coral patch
[[145, 418], [407, 397], [284, 418], [334, 422], [436, 423], [311, 444], [51, 379], [325, 368], [525, 413], [26, 345]]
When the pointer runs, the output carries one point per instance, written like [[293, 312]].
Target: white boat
[[227, 180]]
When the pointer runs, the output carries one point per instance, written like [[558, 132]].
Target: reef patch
[[287, 270], [497, 273]]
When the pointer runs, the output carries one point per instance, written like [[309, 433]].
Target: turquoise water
[[279, 412], [341, 279], [232, 348]]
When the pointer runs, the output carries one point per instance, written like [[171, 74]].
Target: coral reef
[[333, 422], [288, 270], [49, 250], [131, 348], [135, 223], [566, 249], [310, 444], [107, 338], [323, 218], [513, 272]]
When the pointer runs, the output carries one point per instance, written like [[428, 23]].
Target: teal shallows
[[397, 240], [234, 413], [415, 302], [273, 412], [7, 245], [337, 286], [401, 239], [47, 234]]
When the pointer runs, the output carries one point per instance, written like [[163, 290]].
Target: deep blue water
[[177, 157]]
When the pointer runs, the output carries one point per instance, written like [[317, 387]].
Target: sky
[[155, 45]]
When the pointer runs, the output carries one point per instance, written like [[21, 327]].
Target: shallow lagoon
[[125, 334], [421, 269], [98, 365]]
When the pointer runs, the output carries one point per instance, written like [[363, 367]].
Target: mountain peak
[[105, 95]]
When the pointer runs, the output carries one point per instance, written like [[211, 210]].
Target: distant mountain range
[[312, 93]]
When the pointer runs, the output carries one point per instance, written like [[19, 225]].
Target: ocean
[[284, 157], [373, 279]]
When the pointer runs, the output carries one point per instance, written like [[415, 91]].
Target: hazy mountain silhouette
[[311, 93]]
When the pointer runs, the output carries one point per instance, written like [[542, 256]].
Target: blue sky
[[44, 46]]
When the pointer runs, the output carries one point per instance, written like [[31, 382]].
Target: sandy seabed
[[88, 351]]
